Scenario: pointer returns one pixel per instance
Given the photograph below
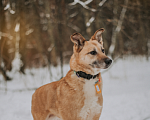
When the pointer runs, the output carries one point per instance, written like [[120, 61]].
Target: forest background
[[38, 31]]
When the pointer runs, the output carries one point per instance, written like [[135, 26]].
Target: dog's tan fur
[[73, 97]]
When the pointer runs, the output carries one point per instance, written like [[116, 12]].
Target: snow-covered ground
[[126, 91]]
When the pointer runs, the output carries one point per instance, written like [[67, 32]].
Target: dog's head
[[89, 56]]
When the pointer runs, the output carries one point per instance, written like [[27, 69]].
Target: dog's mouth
[[102, 64], [98, 65], [107, 66], [95, 65]]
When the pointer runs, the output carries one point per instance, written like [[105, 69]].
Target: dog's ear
[[78, 41], [98, 36]]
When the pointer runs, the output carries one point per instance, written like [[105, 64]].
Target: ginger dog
[[77, 96]]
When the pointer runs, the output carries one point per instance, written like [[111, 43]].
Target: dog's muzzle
[[108, 62]]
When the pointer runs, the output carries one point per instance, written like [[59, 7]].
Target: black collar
[[84, 75]]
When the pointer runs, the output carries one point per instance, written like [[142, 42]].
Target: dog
[[77, 96]]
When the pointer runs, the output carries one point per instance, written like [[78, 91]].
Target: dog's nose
[[108, 61]]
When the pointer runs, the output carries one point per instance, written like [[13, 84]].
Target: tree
[[7, 42]]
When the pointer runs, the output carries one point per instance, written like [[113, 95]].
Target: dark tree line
[[45, 26]]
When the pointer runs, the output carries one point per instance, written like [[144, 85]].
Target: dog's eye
[[93, 52], [103, 50]]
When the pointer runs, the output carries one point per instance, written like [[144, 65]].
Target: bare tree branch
[[73, 15], [90, 21], [102, 2], [84, 4], [88, 1]]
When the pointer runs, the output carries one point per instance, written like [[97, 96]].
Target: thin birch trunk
[[117, 29]]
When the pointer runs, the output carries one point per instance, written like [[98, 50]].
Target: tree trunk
[[117, 25], [2, 42]]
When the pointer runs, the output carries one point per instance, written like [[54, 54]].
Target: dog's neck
[[74, 65], [84, 75]]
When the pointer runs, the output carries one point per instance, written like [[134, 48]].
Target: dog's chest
[[91, 106]]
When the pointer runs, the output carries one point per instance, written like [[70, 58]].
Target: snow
[[17, 27], [78, 1], [29, 31], [90, 21], [111, 48], [10, 10], [126, 91], [7, 6], [84, 4], [102, 2], [88, 1]]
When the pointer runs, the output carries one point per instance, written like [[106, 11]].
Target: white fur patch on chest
[[53, 118], [91, 107]]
